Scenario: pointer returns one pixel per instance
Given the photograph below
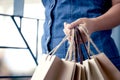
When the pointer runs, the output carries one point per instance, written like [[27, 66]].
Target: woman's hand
[[90, 24]]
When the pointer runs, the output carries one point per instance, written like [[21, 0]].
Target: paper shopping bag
[[109, 71], [83, 73], [47, 66], [99, 67], [66, 70], [80, 73], [92, 70], [53, 68]]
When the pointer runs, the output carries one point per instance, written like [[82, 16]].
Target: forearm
[[108, 20]]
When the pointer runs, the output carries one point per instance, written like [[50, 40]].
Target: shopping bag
[[99, 67], [92, 70], [53, 68], [86, 69], [47, 66], [67, 70], [83, 73], [80, 73], [109, 71]]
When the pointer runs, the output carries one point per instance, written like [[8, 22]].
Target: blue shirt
[[59, 11]]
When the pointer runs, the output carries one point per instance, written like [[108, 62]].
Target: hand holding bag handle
[[72, 54], [74, 49], [80, 68]]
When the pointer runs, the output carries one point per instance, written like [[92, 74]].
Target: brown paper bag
[[109, 71], [66, 70], [92, 70], [100, 68], [80, 73], [83, 73], [53, 68], [46, 65]]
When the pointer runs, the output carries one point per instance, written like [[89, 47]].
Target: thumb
[[76, 23]]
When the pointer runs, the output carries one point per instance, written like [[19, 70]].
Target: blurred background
[[18, 62]]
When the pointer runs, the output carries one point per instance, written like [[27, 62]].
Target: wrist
[[95, 25]]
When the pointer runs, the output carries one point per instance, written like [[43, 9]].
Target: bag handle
[[80, 52], [75, 51], [71, 49], [58, 46], [84, 29], [74, 48]]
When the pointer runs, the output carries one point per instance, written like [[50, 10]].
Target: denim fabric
[[59, 11]]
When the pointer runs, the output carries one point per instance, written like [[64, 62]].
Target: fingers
[[77, 22], [66, 29]]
